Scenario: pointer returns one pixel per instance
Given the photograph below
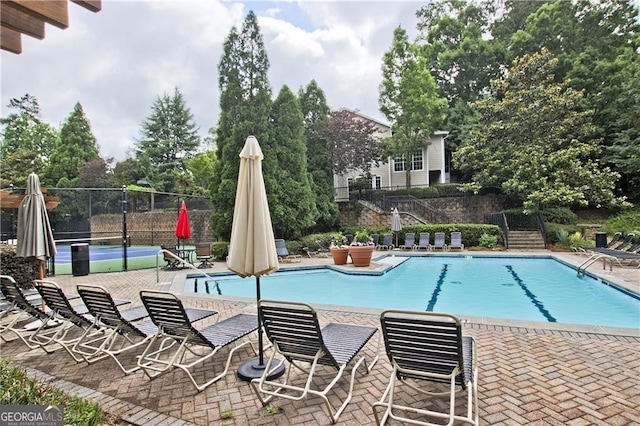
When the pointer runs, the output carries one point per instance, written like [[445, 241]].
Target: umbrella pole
[[260, 348]]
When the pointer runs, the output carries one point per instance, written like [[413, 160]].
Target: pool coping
[[379, 267]]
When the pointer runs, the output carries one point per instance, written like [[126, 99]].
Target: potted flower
[[361, 248], [339, 248]]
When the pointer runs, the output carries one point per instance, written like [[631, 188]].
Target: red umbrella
[[183, 230]]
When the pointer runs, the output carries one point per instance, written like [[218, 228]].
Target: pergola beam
[[11, 40], [54, 12], [16, 20]]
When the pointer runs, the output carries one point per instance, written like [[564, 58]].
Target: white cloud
[[117, 62]]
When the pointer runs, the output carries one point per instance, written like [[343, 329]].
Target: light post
[[144, 182]]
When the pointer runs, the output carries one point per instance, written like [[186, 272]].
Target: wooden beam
[[54, 12], [92, 5], [10, 40], [19, 21]]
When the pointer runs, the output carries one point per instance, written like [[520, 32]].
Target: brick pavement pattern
[[527, 376]]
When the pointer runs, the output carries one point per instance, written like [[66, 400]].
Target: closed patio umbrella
[[252, 246], [34, 234], [183, 229], [396, 225]]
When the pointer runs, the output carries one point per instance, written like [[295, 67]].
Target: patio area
[[531, 373]]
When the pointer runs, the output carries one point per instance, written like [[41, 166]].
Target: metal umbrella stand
[[252, 248]]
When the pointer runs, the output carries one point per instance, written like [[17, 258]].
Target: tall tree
[[76, 146], [409, 99], [535, 142], [245, 102], [169, 139], [315, 112], [287, 181], [353, 144], [26, 142]]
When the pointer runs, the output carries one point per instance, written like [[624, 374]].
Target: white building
[[428, 165]]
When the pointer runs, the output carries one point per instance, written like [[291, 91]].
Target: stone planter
[[361, 255], [340, 255]]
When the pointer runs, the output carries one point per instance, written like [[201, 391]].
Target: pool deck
[[529, 372]]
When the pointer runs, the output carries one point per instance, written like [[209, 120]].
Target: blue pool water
[[534, 289]]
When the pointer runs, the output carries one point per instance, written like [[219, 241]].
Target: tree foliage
[[76, 146], [352, 142], [315, 112], [534, 141], [287, 182], [169, 138], [26, 142], [409, 99], [245, 103]]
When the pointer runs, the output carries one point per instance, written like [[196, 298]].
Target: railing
[[499, 219], [411, 204], [542, 228]]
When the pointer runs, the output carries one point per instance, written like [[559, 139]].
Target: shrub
[[554, 228], [488, 241], [562, 215], [220, 250], [626, 222]]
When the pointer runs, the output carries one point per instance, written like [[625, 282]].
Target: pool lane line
[[437, 289], [530, 295]]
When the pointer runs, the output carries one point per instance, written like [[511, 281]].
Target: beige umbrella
[[34, 236], [252, 246], [396, 224]]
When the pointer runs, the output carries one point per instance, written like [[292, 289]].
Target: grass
[[16, 388]]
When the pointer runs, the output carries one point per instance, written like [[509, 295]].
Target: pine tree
[[77, 145], [315, 112], [169, 138], [245, 102]]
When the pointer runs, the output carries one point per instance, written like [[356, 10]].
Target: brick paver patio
[[528, 374]]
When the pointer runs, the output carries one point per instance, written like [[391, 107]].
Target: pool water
[[533, 289]]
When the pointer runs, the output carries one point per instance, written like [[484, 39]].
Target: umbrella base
[[252, 369]]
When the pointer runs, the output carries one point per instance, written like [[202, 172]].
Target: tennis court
[[107, 258]]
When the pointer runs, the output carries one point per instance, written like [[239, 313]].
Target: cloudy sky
[[118, 61]]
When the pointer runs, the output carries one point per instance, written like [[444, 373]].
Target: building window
[[378, 182], [416, 161], [398, 163]]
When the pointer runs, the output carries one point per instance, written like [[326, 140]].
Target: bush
[[220, 250], [562, 215], [23, 270], [488, 241], [555, 231], [626, 222]]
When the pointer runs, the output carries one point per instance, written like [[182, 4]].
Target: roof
[[385, 124], [29, 16]]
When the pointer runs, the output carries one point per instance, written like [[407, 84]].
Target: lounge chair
[[438, 242], [375, 238], [349, 238], [125, 329], [409, 241], [423, 243], [170, 255], [24, 311], [204, 255], [174, 325], [283, 253], [296, 335], [427, 347], [455, 241], [77, 323], [387, 242]]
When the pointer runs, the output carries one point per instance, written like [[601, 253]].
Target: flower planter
[[361, 255], [340, 255]]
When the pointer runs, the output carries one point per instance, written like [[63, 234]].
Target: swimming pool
[[533, 289]]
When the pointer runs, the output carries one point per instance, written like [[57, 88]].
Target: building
[[428, 165]]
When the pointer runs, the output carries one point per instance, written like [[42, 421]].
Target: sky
[[119, 61]]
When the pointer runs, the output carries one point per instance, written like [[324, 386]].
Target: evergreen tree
[[245, 102], [315, 112], [76, 146], [169, 139], [287, 182], [26, 142]]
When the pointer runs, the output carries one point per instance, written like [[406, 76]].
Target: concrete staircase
[[525, 240]]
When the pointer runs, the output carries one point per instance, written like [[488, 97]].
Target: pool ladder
[[593, 259]]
